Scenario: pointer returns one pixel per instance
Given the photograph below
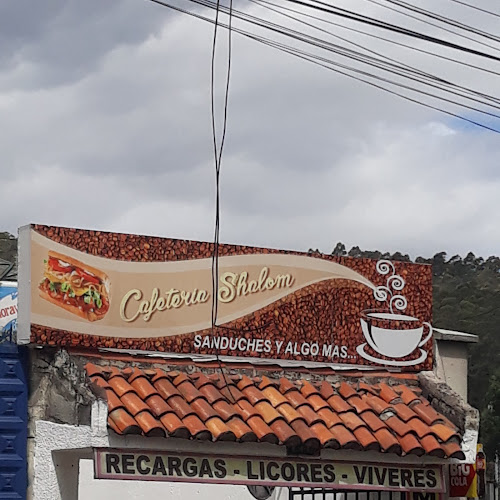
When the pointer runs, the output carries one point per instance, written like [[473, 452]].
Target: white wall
[[451, 365], [106, 489]]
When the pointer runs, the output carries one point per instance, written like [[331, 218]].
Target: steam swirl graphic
[[394, 283]]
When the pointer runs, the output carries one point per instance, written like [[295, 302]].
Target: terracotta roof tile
[[267, 382], [245, 409], [120, 386], [158, 406], [113, 426], [325, 436], [346, 391], [329, 418], [338, 404], [111, 371], [113, 401], [387, 394], [367, 440], [404, 412], [142, 387], [351, 420], [149, 425], [410, 445], [398, 426], [310, 442], [99, 381], [286, 434], [420, 428], [350, 415], [308, 389], [241, 430], [358, 404], [225, 410], [203, 409], [427, 413], [289, 412], [326, 390], [189, 391], [232, 393], [317, 402], [267, 412], [263, 432], [274, 396], [211, 393], [245, 382], [197, 428], [296, 399], [200, 379], [124, 422], [158, 375], [443, 432], [345, 437], [367, 389], [407, 395], [220, 431], [374, 423], [310, 416], [93, 370], [165, 388], [133, 403], [286, 385], [180, 407], [378, 404], [174, 426], [388, 441], [453, 450], [253, 394], [432, 447]]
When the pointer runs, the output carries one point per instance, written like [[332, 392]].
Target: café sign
[[197, 468], [95, 289]]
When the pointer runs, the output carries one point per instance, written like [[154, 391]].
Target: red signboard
[[95, 289], [463, 480]]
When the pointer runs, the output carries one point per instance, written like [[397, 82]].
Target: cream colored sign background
[[180, 275]]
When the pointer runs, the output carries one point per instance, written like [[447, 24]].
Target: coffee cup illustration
[[394, 335]]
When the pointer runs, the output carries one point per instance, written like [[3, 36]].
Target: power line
[[476, 8], [310, 59], [401, 66], [444, 19], [374, 62], [377, 37], [346, 14], [461, 35]]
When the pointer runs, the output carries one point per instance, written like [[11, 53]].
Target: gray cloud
[[105, 118]]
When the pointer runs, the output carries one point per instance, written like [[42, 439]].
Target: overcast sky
[[105, 123]]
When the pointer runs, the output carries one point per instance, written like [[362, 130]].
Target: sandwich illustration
[[76, 287]]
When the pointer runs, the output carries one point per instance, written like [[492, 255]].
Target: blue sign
[[8, 308]]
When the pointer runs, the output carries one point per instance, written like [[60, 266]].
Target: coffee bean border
[[326, 312]]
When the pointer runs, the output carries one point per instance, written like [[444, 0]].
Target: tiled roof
[[304, 417]]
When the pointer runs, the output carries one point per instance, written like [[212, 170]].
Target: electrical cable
[[346, 14], [353, 55], [411, 68], [377, 37], [444, 19], [476, 8], [461, 35], [273, 44]]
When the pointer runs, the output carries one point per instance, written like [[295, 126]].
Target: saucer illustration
[[361, 349]]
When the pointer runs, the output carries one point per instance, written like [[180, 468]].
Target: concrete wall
[[451, 365]]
